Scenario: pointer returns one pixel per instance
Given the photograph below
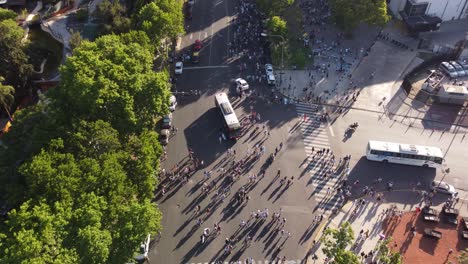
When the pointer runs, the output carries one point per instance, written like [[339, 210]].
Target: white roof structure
[[406, 148]]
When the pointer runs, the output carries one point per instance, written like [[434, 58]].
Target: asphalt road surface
[[311, 193], [198, 124]]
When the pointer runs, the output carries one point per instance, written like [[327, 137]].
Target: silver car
[[443, 187]]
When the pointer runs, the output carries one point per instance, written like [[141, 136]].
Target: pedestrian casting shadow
[[204, 134], [368, 171], [282, 192], [308, 233]]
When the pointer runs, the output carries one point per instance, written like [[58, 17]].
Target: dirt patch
[[420, 249]]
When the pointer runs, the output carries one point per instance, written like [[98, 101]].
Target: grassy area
[[295, 54]]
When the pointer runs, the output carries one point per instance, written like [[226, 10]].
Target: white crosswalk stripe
[[296, 261], [315, 136]]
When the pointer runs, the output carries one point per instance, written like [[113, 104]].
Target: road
[[198, 124], [311, 193], [378, 127]]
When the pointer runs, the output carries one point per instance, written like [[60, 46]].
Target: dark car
[[188, 11]]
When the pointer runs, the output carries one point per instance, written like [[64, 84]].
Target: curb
[[320, 229]]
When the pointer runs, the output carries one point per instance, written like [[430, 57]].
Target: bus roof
[[406, 148], [227, 110]]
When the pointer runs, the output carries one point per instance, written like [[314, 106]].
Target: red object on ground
[[421, 249], [197, 45]]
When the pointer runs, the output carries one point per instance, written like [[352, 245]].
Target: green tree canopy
[[160, 19], [104, 185], [335, 243], [274, 7], [349, 14], [7, 96], [112, 15], [7, 14], [14, 66], [112, 80], [386, 255], [277, 26]]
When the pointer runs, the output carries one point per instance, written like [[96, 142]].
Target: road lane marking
[[331, 131], [205, 67]]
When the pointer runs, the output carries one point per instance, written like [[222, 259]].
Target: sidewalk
[[369, 217]]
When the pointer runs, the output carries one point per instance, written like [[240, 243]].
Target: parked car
[[448, 69], [458, 68], [464, 64], [167, 121], [269, 69], [172, 103], [179, 66], [164, 136], [443, 187], [188, 11], [271, 79], [190, 2], [241, 85]]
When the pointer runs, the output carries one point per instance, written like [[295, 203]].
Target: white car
[[242, 85], [190, 2], [269, 69], [172, 103], [271, 79], [179, 66], [443, 187]]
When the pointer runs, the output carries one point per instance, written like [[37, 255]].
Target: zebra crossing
[[298, 261], [315, 137]]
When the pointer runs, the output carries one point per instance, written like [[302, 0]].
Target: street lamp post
[[282, 46]]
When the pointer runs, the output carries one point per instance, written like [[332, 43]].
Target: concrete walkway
[[369, 217]]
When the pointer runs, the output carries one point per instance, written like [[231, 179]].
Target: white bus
[[231, 123], [408, 154]]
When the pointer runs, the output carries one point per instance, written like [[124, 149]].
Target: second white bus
[[408, 154]]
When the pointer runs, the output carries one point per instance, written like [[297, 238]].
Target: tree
[[160, 19], [385, 255], [112, 16], [463, 257], [7, 14], [7, 96], [274, 7], [112, 80], [35, 235], [335, 243], [14, 61], [91, 173], [349, 14], [277, 26], [75, 39]]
